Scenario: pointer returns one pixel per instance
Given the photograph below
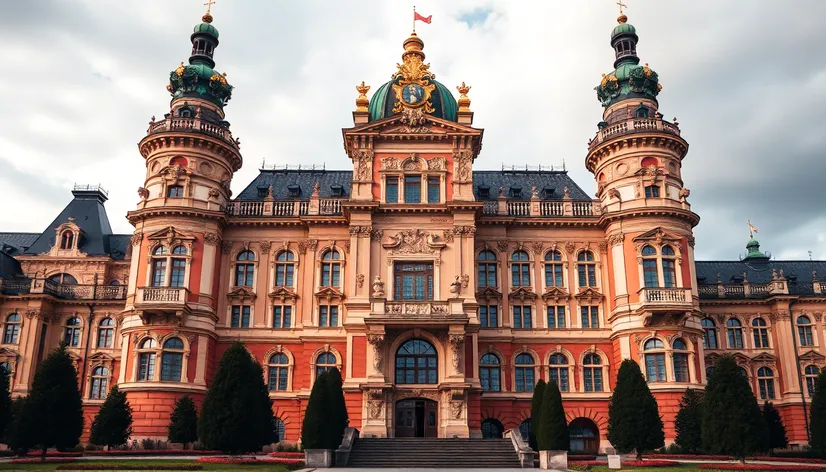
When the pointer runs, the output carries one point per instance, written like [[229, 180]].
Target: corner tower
[[191, 156], [636, 157]]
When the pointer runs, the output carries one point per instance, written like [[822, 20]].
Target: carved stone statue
[[456, 286], [378, 288]]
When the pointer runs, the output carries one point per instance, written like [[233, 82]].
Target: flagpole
[[414, 18]]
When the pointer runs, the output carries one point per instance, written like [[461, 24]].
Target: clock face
[[413, 94]]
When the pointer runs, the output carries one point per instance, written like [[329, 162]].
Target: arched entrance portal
[[584, 435], [416, 418], [492, 429]]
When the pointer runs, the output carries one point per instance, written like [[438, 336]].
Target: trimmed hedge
[[105, 466]]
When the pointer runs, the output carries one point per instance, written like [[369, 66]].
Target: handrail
[[285, 208], [349, 439], [522, 449]]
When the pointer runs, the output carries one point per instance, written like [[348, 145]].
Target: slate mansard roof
[[517, 184], [800, 274]]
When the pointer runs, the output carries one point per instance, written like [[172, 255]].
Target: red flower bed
[[805, 460], [152, 452], [656, 463], [581, 457], [53, 460], [290, 455], [106, 466], [759, 467], [250, 460], [55, 454], [699, 457]]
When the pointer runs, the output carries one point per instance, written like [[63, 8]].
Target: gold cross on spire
[[621, 5], [209, 4]]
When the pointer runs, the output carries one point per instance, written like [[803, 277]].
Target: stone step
[[433, 453]]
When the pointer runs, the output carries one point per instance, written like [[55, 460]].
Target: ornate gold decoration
[[414, 241], [464, 101], [216, 77], [362, 102], [412, 83], [180, 69]]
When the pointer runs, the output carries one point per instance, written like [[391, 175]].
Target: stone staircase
[[433, 453]]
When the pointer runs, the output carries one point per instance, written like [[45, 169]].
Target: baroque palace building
[[442, 292]]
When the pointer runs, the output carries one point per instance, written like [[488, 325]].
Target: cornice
[[636, 140], [686, 215]]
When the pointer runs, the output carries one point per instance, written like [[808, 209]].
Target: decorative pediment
[[283, 294], [657, 237], [8, 355], [488, 293], [170, 237], [329, 293], [241, 293], [522, 294], [764, 358], [812, 356], [589, 296], [414, 241], [555, 294], [414, 163], [741, 359], [398, 124], [101, 358]]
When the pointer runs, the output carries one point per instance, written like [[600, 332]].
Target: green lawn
[[680, 468], [160, 463]]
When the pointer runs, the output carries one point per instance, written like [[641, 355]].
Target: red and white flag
[[417, 16]]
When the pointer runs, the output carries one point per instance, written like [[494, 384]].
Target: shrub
[[553, 427], [183, 424], [688, 423], [338, 417], [817, 422], [775, 431], [19, 431], [536, 413], [314, 426], [633, 417], [5, 400], [113, 423]]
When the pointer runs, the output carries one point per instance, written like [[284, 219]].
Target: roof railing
[[308, 167], [534, 168], [90, 188]]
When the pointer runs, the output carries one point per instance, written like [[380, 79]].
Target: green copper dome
[[753, 250], [628, 80], [384, 100], [206, 28], [623, 28]]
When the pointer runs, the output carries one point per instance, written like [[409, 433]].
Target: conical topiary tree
[[775, 431], [689, 422], [536, 413], [314, 427], [183, 423], [339, 419], [732, 420], [634, 422], [113, 423], [817, 422], [5, 400], [54, 400], [236, 416], [18, 434], [553, 428]]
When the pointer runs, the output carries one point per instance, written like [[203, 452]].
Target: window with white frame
[[168, 268], [553, 269], [804, 331], [71, 331], [331, 269], [556, 316], [522, 316], [520, 269], [284, 269], [558, 371], [680, 360], [489, 373], [489, 316], [586, 269], [669, 266], [278, 371], [525, 372], [650, 273], [282, 316], [760, 332], [324, 362], [328, 316], [240, 316], [172, 360], [765, 383], [592, 373], [146, 360], [589, 316], [654, 350], [486, 263], [734, 329], [414, 280], [106, 330], [99, 383], [245, 269]]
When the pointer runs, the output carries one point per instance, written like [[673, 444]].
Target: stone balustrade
[[743, 290], [195, 125], [633, 125], [63, 291], [162, 295], [665, 295], [285, 208]]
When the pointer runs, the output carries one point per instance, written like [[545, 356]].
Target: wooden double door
[[417, 418]]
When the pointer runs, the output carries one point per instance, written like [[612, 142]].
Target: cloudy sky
[[747, 80]]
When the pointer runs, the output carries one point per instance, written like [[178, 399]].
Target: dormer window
[[295, 190], [67, 240], [185, 113], [262, 191], [642, 112], [484, 191], [548, 192], [337, 190], [516, 191]]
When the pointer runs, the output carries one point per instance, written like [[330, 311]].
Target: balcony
[[162, 305], [63, 291], [416, 312], [541, 209], [742, 290], [195, 125], [285, 209], [665, 295], [634, 125], [162, 295]]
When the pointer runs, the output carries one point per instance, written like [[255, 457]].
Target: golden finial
[[180, 69], [464, 101], [622, 18], [207, 18], [362, 102]]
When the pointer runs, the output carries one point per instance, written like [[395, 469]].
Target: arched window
[[67, 239], [680, 358], [279, 429], [553, 269], [100, 383], [525, 429], [765, 380], [669, 263], [520, 270], [489, 373], [810, 373], [804, 331], [586, 269], [279, 369], [324, 362], [492, 429], [172, 360], [146, 360], [174, 191], [244, 269], [525, 373], [416, 363], [650, 273], [106, 330], [592, 373], [487, 269], [559, 371], [654, 361], [71, 332], [735, 333], [284, 269], [331, 269], [710, 336], [177, 276], [63, 279], [760, 332], [11, 330]]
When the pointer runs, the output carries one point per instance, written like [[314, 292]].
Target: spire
[[413, 45], [204, 39]]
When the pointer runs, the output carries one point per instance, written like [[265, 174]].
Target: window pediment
[[170, 236], [488, 293], [555, 294], [589, 295], [657, 237], [812, 356], [283, 294], [522, 294], [241, 293], [329, 293], [764, 358]]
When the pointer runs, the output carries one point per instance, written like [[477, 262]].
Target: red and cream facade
[[565, 278]]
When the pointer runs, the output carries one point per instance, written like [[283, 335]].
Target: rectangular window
[[735, 338], [488, 316], [281, 316], [284, 275], [649, 273], [176, 278], [652, 191], [414, 281], [158, 272], [487, 275], [240, 316], [590, 316], [146, 366], [391, 190], [244, 274], [412, 189], [805, 333], [328, 316], [560, 376], [553, 275], [556, 317], [524, 379], [681, 367], [593, 379], [171, 365], [669, 273], [587, 275], [520, 275], [761, 337], [655, 367], [522, 316], [174, 191], [433, 190], [105, 337]]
